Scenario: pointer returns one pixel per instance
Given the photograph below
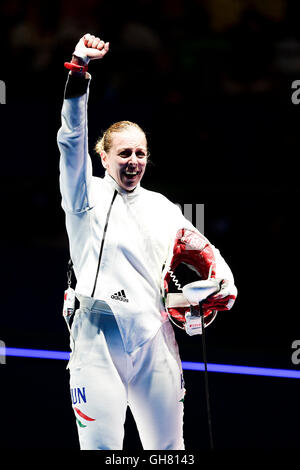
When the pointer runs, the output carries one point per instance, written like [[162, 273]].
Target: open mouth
[[131, 174]]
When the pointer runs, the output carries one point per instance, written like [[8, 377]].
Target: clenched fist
[[90, 47]]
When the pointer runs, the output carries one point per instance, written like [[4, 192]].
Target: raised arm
[[72, 137]]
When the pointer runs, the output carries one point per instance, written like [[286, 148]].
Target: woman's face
[[127, 158]]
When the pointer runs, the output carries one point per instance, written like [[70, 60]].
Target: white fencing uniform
[[124, 350]]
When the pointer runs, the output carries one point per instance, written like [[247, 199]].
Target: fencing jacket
[[118, 240]]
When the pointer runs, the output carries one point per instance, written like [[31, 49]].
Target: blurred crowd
[[232, 46], [217, 70]]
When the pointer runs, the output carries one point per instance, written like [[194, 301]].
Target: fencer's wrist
[[78, 61], [80, 54]]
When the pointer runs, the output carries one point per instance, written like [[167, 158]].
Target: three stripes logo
[[120, 296]]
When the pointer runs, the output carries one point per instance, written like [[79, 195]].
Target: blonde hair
[[105, 142]]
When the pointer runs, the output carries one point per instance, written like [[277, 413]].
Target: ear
[[104, 158]]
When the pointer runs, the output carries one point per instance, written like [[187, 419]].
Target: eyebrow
[[122, 149]]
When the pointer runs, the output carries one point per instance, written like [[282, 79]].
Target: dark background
[[210, 82]]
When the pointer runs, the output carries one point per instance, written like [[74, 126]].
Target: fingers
[[93, 42], [105, 49], [88, 39], [92, 47], [96, 43], [100, 44]]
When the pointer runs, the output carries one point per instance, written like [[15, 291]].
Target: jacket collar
[[114, 185]]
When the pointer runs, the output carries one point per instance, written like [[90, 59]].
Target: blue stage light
[[246, 370], [186, 365], [34, 353]]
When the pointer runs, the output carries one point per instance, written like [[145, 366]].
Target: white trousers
[[105, 379]]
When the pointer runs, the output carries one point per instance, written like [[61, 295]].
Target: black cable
[[206, 379]]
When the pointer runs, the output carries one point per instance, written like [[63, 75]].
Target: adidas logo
[[120, 296]]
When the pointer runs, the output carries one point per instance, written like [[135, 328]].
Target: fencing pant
[[105, 379]]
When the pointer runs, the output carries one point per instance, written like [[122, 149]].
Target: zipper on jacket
[[102, 242]]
